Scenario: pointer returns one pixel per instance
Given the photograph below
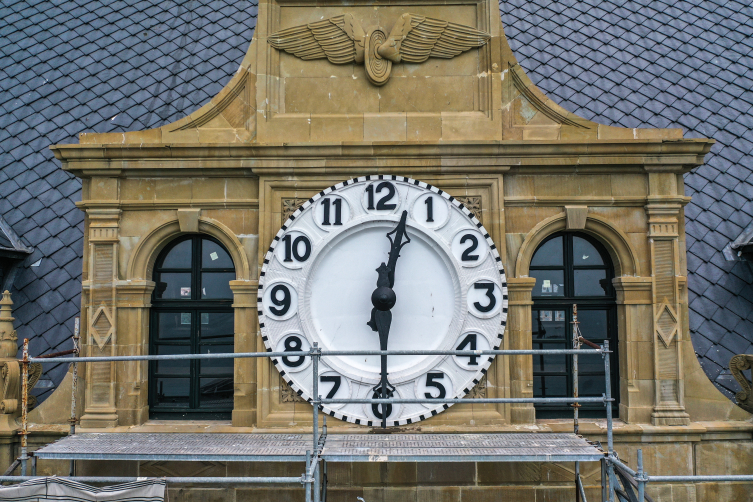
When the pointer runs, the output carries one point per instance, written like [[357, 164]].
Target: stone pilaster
[[635, 327], [519, 335], [100, 409], [246, 328], [663, 222]]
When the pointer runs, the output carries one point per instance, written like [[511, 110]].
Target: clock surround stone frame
[[276, 190]]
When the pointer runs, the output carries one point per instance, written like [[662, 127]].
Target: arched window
[[572, 268], [192, 314]]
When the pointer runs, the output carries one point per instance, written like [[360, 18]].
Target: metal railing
[[614, 471], [311, 478]]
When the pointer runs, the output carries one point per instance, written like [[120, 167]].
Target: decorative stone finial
[[8, 338], [5, 305]]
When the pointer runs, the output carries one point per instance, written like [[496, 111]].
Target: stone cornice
[[89, 160]]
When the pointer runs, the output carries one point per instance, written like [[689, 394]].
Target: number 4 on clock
[[470, 339]]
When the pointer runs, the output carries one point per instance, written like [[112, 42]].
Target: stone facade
[[475, 126]]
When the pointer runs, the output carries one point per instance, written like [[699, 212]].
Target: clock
[[383, 262]]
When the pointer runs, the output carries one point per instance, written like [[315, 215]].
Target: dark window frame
[[195, 306], [606, 303]]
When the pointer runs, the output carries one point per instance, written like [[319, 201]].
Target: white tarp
[[59, 490]]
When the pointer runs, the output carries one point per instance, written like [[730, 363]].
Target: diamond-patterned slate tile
[[652, 64], [69, 68], [697, 54]]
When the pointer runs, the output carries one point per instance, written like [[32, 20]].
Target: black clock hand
[[396, 245], [383, 298]]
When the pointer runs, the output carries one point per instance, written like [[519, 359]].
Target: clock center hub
[[383, 298]]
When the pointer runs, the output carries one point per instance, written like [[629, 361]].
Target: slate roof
[[9, 241], [91, 65], [657, 63]]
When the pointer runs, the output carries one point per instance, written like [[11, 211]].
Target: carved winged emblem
[[413, 39]]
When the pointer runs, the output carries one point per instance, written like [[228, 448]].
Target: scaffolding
[[617, 479]]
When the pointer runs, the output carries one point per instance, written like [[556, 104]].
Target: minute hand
[[396, 244]]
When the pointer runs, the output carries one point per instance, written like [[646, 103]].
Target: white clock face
[[319, 274]]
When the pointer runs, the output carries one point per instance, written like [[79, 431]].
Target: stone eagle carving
[[413, 39]]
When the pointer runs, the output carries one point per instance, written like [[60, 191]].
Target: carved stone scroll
[[10, 370], [737, 365]]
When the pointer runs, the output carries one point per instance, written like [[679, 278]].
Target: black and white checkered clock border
[[361, 179]]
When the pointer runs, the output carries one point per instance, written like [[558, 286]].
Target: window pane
[[584, 253], [216, 392], [591, 365], [548, 254], [592, 385], [215, 285], [174, 325], [173, 391], [214, 256], [593, 324], [591, 282], [216, 327], [174, 368], [555, 386], [550, 363], [549, 324], [548, 283], [179, 256], [538, 386], [174, 286], [217, 367]]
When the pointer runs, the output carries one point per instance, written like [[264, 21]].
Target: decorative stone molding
[[541, 103], [478, 391], [287, 394], [413, 39], [289, 206], [473, 204], [663, 224], [624, 256], [100, 304], [141, 263], [576, 217], [10, 370], [8, 337], [737, 365], [188, 219]]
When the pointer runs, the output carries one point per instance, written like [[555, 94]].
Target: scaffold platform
[[490, 447], [179, 446]]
